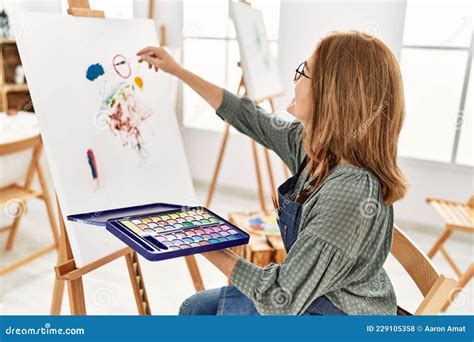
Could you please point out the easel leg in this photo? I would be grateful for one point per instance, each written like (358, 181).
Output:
(75, 287)
(58, 293)
(64, 252)
(258, 172)
(76, 297)
(286, 172)
(217, 169)
(47, 202)
(220, 157)
(266, 153)
(138, 284)
(195, 274)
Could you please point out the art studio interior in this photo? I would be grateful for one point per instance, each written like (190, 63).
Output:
(218, 157)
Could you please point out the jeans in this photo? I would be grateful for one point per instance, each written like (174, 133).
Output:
(228, 300)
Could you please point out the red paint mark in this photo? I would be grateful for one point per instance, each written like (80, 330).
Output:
(121, 66)
(93, 166)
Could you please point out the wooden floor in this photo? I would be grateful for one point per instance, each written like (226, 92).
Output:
(108, 291)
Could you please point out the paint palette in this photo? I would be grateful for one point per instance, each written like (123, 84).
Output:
(263, 224)
(158, 233)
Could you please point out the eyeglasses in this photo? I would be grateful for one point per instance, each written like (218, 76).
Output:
(300, 71)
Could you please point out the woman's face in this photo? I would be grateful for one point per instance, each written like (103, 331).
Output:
(302, 104)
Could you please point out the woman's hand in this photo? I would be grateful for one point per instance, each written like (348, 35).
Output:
(159, 58)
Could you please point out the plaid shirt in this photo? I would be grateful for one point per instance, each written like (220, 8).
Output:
(344, 237)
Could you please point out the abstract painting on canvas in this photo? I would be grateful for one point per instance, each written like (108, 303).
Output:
(110, 132)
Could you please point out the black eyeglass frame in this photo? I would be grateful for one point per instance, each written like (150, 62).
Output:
(300, 73)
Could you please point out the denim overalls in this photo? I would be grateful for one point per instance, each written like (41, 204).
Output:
(232, 301)
(289, 209)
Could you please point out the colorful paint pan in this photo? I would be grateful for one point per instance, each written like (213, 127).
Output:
(164, 234)
(263, 224)
(192, 237)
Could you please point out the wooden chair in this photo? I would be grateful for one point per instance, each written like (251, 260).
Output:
(434, 286)
(17, 195)
(457, 217)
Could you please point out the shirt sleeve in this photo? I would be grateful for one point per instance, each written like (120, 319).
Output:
(320, 260)
(269, 130)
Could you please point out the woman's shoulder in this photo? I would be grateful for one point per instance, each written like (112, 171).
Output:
(346, 208)
(348, 182)
(349, 193)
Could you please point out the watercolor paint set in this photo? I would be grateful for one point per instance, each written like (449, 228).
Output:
(163, 231)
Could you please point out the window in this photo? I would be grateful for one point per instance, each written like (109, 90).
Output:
(436, 63)
(465, 153)
(210, 49)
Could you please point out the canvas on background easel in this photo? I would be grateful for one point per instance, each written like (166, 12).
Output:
(66, 270)
(270, 94)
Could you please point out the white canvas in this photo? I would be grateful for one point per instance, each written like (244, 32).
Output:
(260, 68)
(102, 113)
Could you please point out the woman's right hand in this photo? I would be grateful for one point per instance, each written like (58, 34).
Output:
(159, 58)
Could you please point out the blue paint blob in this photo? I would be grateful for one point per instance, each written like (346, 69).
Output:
(94, 71)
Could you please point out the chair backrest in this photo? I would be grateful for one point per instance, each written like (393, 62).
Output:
(470, 202)
(434, 286)
(19, 145)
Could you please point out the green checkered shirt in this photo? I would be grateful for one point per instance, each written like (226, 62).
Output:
(344, 237)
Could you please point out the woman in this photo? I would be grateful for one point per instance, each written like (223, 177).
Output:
(335, 214)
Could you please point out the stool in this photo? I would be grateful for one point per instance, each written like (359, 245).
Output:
(261, 250)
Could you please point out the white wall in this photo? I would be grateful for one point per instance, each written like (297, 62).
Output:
(304, 23)
(432, 179)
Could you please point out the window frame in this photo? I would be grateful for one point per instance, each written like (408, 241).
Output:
(462, 102)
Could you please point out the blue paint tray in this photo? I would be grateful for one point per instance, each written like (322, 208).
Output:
(162, 231)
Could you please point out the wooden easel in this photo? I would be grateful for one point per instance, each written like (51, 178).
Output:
(66, 269)
(241, 89)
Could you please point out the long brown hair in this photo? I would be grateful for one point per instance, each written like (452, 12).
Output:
(359, 109)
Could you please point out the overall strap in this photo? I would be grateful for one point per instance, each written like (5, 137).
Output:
(306, 190)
